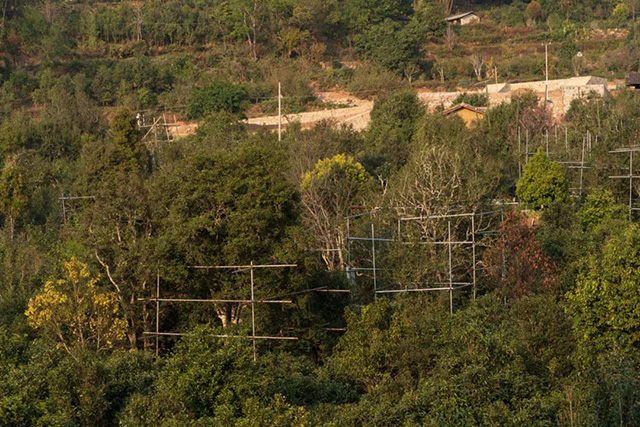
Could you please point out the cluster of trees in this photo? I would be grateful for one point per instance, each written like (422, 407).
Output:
(551, 337)
(168, 54)
(92, 219)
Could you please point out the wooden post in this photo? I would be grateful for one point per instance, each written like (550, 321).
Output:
(64, 211)
(526, 145)
(582, 166)
(630, 185)
(547, 141)
(253, 315)
(279, 112)
(157, 312)
(473, 240)
(373, 250)
(450, 270)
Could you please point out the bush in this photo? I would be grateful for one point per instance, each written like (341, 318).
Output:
(370, 80)
(475, 99)
(217, 97)
(543, 183)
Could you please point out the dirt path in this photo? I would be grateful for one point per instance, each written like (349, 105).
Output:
(358, 116)
(346, 109)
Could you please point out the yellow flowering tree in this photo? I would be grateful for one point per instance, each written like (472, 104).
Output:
(327, 192)
(75, 313)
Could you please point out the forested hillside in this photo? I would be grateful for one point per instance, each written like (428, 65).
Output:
(420, 272)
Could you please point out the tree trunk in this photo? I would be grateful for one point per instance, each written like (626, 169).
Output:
(229, 314)
(48, 11)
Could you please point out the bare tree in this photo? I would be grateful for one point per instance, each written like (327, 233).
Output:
(328, 191)
(430, 185)
(48, 11)
(138, 23)
(253, 19)
(441, 66)
(411, 70)
(440, 69)
(478, 64)
(448, 6)
(432, 182)
(450, 37)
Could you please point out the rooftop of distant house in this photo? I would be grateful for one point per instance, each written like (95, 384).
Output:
(463, 106)
(633, 79)
(460, 16)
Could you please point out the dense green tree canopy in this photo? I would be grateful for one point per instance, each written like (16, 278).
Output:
(604, 299)
(543, 182)
(218, 97)
(424, 292)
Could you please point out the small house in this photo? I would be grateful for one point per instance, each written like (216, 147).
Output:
(468, 113)
(633, 80)
(463, 18)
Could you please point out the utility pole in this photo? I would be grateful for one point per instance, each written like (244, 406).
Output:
(450, 269)
(546, 82)
(158, 312)
(373, 254)
(279, 112)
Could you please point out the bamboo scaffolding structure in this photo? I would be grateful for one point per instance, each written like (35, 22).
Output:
(252, 302)
(449, 241)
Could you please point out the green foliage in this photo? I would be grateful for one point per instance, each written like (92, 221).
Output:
(217, 97)
(600, 205)
(533, 11)
(214, 382)
(13, 198)
(605, 299)
(42, 388)
(228, 207)
(621, 14)
(392, 45)
(485, 364)
(543, 182)
(124, 131)
(475, 99)
(370, 80)
(394, 120)
(367, 12)
(74, 74)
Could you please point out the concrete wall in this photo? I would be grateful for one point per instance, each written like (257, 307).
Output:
(561, 92)
(569, 93)
(438, 99)
(539, 86)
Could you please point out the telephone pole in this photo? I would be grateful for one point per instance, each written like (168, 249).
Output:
(546, 81)
(279, 112)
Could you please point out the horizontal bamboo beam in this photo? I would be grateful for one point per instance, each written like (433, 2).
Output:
(248, 267)
(248, 337)
(238, 301)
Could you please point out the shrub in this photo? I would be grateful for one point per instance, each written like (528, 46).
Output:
(475, 99)
(217, 97)
(543, 182)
